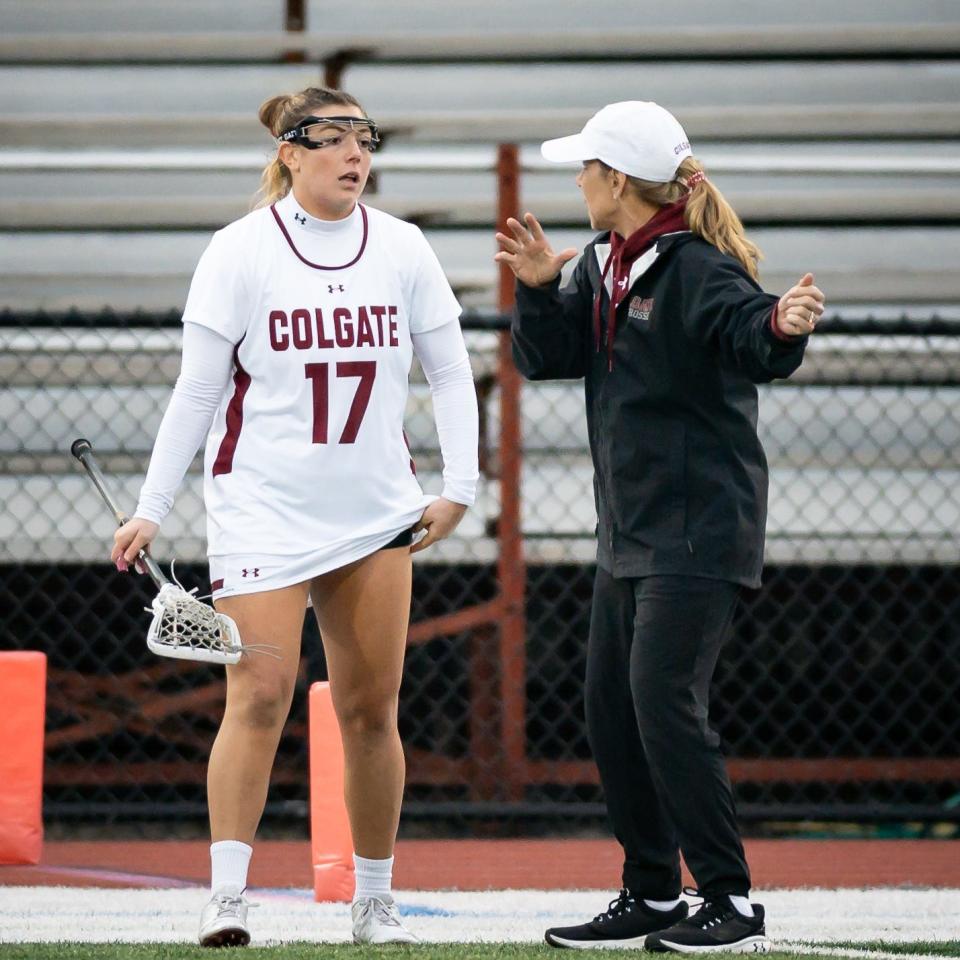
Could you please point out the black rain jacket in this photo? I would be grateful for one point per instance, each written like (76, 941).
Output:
(680, 477)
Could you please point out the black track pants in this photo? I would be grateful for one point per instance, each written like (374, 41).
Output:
(653, 648)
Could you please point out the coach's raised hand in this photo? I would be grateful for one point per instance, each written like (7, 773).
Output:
(528, 254)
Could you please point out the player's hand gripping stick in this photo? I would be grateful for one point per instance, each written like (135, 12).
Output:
(182, 627)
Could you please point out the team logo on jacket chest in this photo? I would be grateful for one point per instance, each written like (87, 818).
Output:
(640, 309)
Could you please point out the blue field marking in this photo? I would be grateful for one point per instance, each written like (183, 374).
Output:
(473, 913)
(303, 894)
(419, 910)
(283, 893)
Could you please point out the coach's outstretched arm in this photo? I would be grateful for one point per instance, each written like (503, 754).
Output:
(549, 324)
(752, 331)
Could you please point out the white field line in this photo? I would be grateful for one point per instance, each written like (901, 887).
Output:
(795, 917)
(821, 951)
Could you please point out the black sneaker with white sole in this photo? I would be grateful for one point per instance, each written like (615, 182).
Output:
(625, 923)
(718, 926)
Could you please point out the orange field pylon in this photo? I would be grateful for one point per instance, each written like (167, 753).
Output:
(331, 842)
(23, 687)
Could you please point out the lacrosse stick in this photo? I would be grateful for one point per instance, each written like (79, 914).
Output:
(182, 626)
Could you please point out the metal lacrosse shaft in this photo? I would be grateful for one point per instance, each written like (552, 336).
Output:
(83, 451)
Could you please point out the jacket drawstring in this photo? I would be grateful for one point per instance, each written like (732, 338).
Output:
(612, 261)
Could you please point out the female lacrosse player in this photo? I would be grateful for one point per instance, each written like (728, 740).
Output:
(299, 331)
(665, 321)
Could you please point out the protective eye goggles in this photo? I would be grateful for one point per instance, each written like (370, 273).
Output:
(307, 132)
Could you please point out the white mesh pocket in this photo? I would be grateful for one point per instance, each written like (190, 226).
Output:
(186, 628)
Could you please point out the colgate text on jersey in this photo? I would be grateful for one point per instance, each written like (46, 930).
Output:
(303, 329)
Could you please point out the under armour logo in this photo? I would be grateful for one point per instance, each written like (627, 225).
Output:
(331, 287)
(255, 572)
(299, 219)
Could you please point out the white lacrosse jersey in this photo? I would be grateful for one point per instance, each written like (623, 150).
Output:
(307, 453)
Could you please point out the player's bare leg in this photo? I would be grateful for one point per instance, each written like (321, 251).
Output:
(363, 611)
(259, 693)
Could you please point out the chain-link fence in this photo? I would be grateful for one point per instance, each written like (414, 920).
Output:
(837, 696)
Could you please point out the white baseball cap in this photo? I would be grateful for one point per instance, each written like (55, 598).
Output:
(637, 137)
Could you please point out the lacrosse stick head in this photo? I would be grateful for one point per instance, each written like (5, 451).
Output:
(185, 628)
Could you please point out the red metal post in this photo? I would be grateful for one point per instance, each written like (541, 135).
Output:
(295, 21)
(295, 18)
(485, 766)
(511, 567)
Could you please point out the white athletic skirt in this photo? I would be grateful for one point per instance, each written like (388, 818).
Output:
(235, 574)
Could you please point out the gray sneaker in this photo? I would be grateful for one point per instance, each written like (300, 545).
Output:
(223, 922)
(377, 920)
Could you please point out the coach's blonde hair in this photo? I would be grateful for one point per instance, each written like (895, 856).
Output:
(282, 113)
(707, 213)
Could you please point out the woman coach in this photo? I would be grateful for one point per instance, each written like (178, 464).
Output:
(665, 321)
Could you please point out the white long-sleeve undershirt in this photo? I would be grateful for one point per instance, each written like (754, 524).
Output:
(205, 368)
(446, 365)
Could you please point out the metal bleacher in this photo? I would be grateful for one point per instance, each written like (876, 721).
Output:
(129, 134)
(122, 122)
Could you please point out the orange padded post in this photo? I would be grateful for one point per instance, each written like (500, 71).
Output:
(331, 842)
(23, 688)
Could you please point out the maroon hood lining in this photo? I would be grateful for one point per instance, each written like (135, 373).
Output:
(623, 254)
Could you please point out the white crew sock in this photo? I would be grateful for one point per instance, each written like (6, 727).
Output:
(742, 905)
(229, 860)
(662, 904)
(373, 877)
